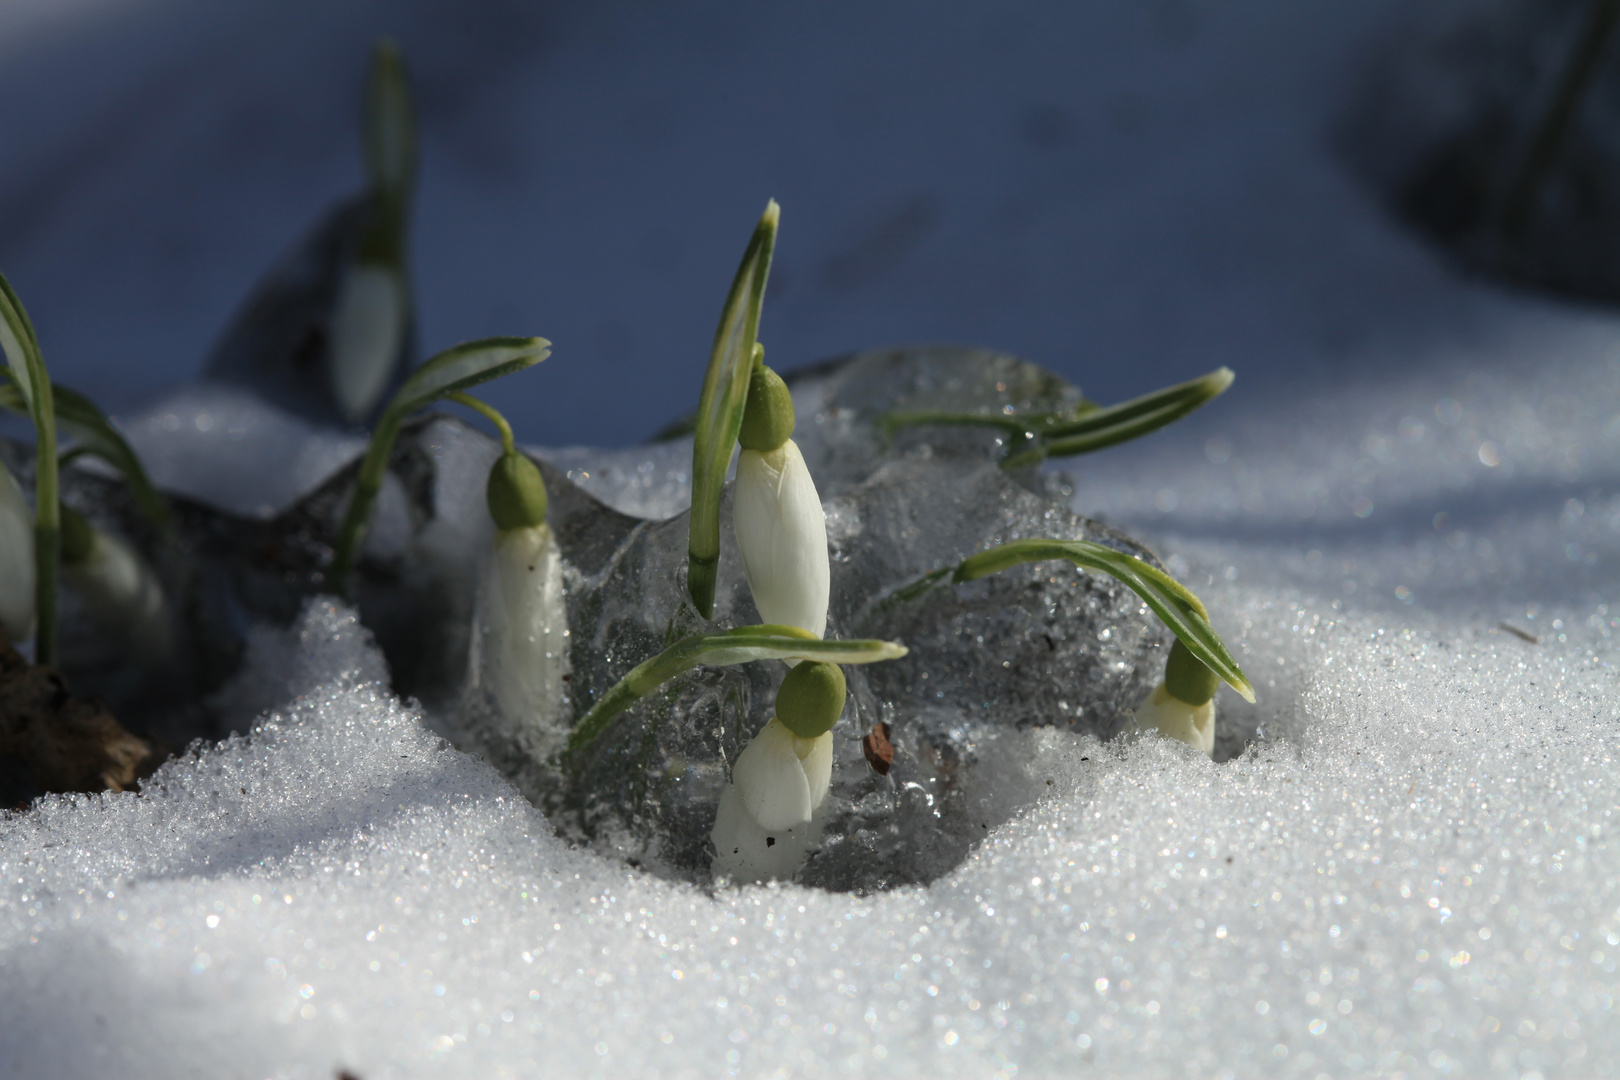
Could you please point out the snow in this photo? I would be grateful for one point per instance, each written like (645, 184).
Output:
(1422, 880)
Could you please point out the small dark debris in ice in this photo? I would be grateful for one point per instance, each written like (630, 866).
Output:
(878, 749)
(1522, 635)
(770, 841)
(64, 742)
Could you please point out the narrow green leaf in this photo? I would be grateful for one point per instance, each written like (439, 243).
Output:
(720, 408)
(739, 646)
(465, 366)
(28, 372)
(390, 125)
(1117, 423)
(1170, 600)
(17, 339)
(96, 436)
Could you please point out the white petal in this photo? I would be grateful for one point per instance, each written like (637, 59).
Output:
(782, 536)
(122, 593)
(744, 851)
(16, 560)
(523, 647)
(1192, 724)
(367, 328)
(816, 755)
(771, 781)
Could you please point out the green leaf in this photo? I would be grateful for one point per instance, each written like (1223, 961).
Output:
(1117, 423)
(18, 341)
(97, 436)
(720, 408)
(1180, 610)
(390, 125)
(465, 366)
(739, 646)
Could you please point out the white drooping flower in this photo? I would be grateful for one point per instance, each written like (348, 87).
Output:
(764, 824)
(119, 590)
(1168, 715)
(782, 536)
(16, 560)
(781, 531)
(521, 647)
(368, 328)
(781, 778)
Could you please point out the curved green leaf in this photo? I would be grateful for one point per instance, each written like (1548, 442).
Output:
(720, 408)
(97, 436)
(465, 366)
(764, 642)
(1117, 423)
(1170, 600)
(27, 366)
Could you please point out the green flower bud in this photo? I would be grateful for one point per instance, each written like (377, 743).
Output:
(1186, 678)
(811, 699)
(78, 536)
(516, 493)
(768, 419)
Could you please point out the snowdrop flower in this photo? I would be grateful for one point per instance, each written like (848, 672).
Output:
(1183, 705)
(781, 531)
(368, 329)
(763, 827)
(16, 560)
(521, 649)
(119, 590)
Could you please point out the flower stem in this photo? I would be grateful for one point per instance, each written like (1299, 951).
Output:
(488, 411)
(358, 513)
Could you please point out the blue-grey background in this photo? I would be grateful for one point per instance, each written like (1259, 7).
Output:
(1115, 189)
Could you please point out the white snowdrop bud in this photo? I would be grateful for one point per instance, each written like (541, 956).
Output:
(16, 560)
(782, 536)
(120, 591)
(781, 778)
(522, 644)
(1183, 705)
(1168, 715)
(368, 327)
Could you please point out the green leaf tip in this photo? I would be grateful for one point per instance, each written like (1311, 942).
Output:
(1101, 428)
(722, 403)
(1170, 600)
(739, 646)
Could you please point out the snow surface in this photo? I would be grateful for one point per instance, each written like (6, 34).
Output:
(1422, 880)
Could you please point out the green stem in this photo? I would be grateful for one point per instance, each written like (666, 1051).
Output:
(508, 444)
(356, 517)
